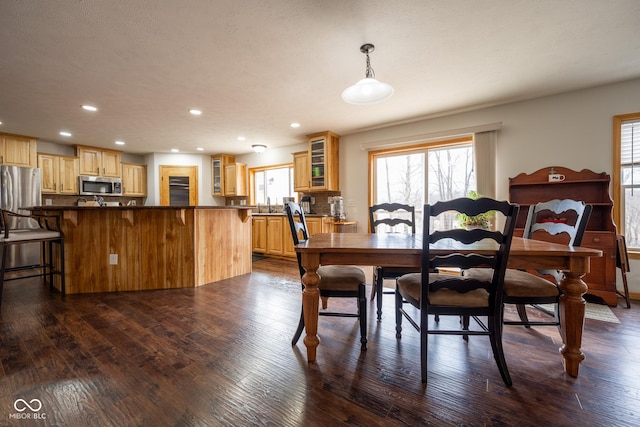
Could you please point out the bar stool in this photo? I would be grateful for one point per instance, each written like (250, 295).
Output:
(47, 233)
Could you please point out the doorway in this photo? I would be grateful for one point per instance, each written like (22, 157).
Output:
(178, 185)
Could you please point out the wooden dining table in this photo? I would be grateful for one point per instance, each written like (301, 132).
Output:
(406, 251)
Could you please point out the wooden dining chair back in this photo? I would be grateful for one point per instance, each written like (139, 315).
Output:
(44, 230)
(389, 218)
(558, 221)
(456, 295)
(338, 281)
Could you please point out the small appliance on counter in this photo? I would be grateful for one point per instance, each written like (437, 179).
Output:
(305, 204)
(336, 204)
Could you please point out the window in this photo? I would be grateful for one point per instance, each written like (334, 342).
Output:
(270, 184)
(427, 173)
(626, 180)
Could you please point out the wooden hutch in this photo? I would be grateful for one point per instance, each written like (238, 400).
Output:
(590, 187)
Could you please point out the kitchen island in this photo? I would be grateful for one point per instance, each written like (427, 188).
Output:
(132, 248)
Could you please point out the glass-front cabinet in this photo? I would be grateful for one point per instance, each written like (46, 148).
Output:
(323, 161)
(218, 162)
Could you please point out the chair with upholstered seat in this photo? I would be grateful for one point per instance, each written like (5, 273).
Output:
(390, 218)
(559, 221)
(47, 232)
(338, 281)
(455, 295)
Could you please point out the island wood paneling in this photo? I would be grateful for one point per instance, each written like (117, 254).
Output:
(156, 248)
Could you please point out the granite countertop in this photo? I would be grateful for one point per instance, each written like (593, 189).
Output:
(80, 208)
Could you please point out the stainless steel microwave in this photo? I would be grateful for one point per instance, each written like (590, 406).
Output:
(99, 186)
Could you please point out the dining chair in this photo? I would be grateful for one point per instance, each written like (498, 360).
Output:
(390, 218)
(44, 230)
(456, 295)
(558, 221)
(339, 281)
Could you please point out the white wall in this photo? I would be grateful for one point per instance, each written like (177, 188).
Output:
(573, 130)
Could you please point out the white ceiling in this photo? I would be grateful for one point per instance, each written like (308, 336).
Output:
(255, 66)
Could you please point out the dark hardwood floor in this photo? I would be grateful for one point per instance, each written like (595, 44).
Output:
(220, 355)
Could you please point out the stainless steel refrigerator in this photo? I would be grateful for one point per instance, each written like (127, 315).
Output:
(20, 188)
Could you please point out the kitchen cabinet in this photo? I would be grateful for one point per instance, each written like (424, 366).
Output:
(259, 234)
(589, 187)
(301, 175)
(99, 162)
(272, 235)
(59, 174)
(218, 163)
(235, 179)
(134, 180)
(18, 151)
(275, 241)
(323, 161)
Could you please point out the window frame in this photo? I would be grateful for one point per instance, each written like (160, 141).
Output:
(634, 253)
(252, 181)
(423, 146)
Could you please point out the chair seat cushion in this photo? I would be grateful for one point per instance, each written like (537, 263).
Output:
(340, 277)
(410, 284)
(23, 235)
(519, 283)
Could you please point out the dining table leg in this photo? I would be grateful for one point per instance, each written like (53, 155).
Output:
(572, 309)
(310, 301)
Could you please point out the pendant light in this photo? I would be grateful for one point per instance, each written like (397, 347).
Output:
(368, 90)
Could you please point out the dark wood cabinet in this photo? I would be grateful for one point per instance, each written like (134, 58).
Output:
(590, 187)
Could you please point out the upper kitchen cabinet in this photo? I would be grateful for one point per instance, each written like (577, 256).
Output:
(99, 162)
(235, 179)
(18, 151)
(218, 162)
(321, 167)
(59, 174)
(301, 176)
(134, 180)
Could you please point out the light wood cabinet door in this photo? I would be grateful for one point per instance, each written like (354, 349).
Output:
(259, 234)
(111, 164)
(98, 162)
(235, 179)
(59, 174)
(314, 225)
(134, 180)
(301, 171)
(274, 235)
(67, 175)
(18, 151)
(48, 164)
(90, 160)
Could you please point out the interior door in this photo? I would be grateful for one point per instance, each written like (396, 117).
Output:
(178, 185)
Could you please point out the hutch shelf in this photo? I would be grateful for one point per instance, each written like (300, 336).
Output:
(590, 187)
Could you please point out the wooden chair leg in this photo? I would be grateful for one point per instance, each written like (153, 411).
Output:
(522, 312)
(398, 314)
(296, 336)
(362, 315)
(495, 327)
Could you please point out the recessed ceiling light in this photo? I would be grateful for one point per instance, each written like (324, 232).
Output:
(89, 108)
(175, 150)
(200, 149)
(119, 142)
(195, 111)
(0, 123)
(295, 125)
(241, 138)
(65, 133)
